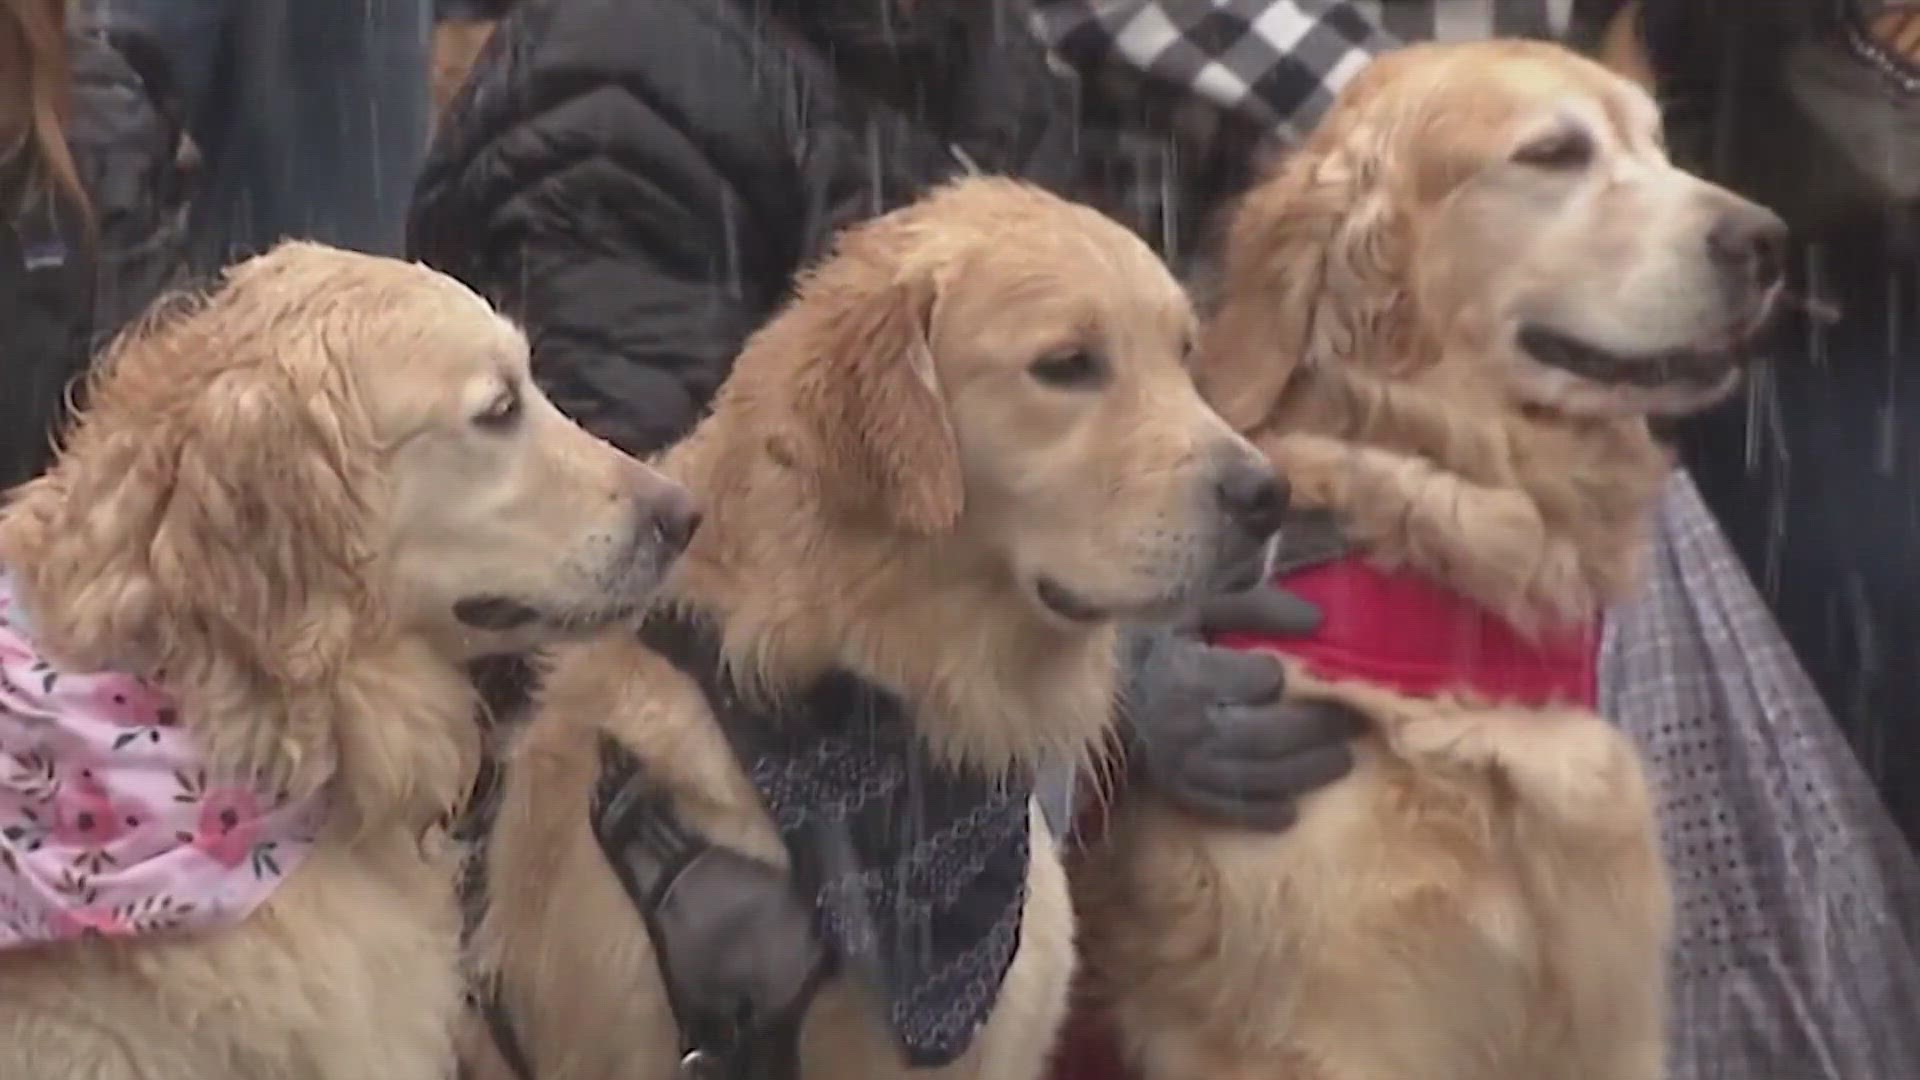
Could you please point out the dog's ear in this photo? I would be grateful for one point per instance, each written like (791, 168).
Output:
(206, 517)
(1623, 47)
(1309, 275)
(869, 393)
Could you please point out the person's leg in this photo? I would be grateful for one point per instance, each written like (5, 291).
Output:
(331, 111)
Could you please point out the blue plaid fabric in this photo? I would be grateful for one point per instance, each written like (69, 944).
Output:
(1797, 954)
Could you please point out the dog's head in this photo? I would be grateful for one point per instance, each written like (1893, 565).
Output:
(325, 450)
(1506, 214)
(1003, 374)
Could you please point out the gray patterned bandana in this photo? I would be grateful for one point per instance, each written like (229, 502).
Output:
(917, 871)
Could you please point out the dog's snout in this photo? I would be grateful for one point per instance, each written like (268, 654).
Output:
(1253, 497)
(676, 517)
(1750, 240)
(667, 507)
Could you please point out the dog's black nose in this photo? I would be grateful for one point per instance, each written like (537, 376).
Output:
(1253, 497)
(676, 516)
(1750, 239)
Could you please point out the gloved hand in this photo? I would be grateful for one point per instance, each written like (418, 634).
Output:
(1213, 729)
(1262, 609)
(737, 940)
(733, 940)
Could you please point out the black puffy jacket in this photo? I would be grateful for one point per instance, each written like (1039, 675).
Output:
(637, 181)
(63, 294)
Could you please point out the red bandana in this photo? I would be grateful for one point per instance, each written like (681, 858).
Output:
(1399, 630)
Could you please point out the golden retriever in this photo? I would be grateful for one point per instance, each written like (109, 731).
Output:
(306, 500)
(966, 447)
(1446, 320)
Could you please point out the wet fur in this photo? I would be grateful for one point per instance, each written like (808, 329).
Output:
(848, 524)
(1484, 898)
(220, 512)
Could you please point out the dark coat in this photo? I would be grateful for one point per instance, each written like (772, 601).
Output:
(471, 9)
(639, 182)
(62, 293)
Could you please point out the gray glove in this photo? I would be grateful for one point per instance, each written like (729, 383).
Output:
(1259, 610)
(1213, 730)
(1310, 537)
(734, 942)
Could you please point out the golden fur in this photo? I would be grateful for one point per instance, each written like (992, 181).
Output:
(272, 503)
(1483, 899)
(1623, 49)
(887, 482)
(456, 48)
(36, 96)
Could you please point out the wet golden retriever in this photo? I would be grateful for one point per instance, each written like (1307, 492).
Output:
(309, 498)
(967, 446)
(1446, 319)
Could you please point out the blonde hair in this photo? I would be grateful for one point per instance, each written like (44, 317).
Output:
(36, 90)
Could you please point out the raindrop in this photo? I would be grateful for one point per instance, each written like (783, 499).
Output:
(1887, 439)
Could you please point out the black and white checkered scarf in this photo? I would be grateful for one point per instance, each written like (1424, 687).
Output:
(1274, 63)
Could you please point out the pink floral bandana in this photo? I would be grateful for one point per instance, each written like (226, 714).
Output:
(109, 823)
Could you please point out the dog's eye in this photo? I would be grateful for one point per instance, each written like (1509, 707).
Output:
(1072, 371)
(1566, 150)
(500, 413)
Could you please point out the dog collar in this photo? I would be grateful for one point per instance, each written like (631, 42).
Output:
(1399, 630)
(110, 824)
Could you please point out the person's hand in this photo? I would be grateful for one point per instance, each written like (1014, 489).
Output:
(1214, 731)
(734, 940)
(737, 938)
(1311, 537)
(1262, 610)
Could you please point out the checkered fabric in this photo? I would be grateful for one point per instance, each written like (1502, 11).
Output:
(1278, 63)
(1797, 951)
(1469, 20)
(1275, 63)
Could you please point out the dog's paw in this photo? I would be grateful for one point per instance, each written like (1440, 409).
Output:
(1450, 740)
(1319, 470)
(1569, 765)
(1583, 771)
